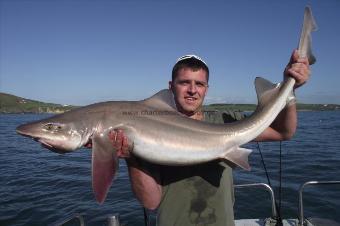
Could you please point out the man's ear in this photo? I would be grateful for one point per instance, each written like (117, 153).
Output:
(170, 85)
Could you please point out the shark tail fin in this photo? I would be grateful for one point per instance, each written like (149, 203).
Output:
(305, 42)
(265, 90)
(238, 156)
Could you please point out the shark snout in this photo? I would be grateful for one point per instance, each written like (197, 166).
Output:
(24, 130)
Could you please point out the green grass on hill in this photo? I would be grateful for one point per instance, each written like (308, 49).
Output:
(252, 107)
(14, 104)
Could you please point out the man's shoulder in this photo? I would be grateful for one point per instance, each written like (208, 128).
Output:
(225, 116)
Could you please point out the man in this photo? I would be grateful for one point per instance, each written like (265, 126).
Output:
(200, 194)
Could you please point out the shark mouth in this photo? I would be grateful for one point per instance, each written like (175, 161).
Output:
(50, 147)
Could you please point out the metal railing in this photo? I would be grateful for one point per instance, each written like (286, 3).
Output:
(112, 220)
(70, 218)
(301, 216)
(268, 188)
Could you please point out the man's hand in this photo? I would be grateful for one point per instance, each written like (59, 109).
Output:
(298, 68)
(120, 143)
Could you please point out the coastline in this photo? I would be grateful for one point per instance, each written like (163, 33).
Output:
(11, 104)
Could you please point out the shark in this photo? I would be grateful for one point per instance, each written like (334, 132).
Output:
(158, 133)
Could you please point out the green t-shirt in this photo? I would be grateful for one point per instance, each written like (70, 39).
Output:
(200, 195)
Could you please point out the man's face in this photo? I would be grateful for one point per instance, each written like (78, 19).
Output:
(189, 88)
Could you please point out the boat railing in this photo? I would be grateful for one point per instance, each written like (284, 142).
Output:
(301, 214)
(72, 217)
(113, 220)
(266, 187)
(78, 219)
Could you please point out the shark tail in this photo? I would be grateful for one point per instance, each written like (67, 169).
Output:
(305, 42)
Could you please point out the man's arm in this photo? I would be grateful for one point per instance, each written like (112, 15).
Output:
(284, 126)
(144, 183)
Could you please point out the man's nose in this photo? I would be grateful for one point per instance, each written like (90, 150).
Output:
(192, 87)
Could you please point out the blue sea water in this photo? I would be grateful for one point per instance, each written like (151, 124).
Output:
(39, 187)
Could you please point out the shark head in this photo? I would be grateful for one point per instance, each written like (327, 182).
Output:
(71, 130)
(56, 134)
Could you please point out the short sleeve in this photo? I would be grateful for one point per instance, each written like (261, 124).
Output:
(226, 116)
(232, 116)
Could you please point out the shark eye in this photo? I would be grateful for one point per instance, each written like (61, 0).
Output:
(52, 127)
(48, 126)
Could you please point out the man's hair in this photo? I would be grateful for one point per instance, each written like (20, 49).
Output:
(192, 63)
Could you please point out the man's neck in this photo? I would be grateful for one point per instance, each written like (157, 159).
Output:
(196, 115)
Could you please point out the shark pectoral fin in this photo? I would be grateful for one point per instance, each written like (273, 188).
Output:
(104, 166)
(238, 156)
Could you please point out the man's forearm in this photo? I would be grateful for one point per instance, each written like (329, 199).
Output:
(283, 127)
(286, 122)
(145, 187)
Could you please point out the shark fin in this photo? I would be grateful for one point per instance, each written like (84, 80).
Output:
(104, 166)
(238, 156)
(266, 89)
(305, 42)
(163, 100)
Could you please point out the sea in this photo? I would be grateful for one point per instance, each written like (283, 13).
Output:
(39, 187)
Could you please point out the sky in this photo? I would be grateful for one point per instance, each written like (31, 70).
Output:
(80, 52)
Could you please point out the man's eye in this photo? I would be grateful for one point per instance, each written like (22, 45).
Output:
(184, 83)
(201, 84)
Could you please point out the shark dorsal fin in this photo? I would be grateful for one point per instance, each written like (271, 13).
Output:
(163, 100)
(265, 90)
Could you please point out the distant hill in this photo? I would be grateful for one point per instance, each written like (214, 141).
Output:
(14, 104)
(252, 107)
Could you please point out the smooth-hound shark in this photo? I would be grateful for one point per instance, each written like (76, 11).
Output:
(160, 134)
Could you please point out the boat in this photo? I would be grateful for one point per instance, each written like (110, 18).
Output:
(273, 219)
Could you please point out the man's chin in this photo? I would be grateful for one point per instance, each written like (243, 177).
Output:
(190, 111)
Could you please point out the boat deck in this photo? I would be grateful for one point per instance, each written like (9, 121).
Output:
(264, 222)
(286, 222)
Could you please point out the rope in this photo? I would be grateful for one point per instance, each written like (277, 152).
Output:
(280, 180)
(278, 206)
(146, 218)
